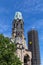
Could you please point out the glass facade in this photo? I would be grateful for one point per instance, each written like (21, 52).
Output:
(34, 46)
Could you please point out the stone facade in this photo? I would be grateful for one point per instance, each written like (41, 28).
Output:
(18, 37)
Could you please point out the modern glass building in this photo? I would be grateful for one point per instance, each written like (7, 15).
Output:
(33, 46)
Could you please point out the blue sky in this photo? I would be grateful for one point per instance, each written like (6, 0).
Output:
(32, 11)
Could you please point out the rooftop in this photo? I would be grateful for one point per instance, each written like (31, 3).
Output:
(18, 15)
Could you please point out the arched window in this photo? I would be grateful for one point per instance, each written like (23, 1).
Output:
(26, 59)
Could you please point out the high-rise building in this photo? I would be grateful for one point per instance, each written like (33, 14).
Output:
(33, 46)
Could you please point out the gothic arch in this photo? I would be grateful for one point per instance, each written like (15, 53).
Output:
(26, 59)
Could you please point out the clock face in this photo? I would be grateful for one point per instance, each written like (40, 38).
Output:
(18, 39)
(18, 33)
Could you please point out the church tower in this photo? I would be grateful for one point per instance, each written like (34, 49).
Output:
(18, 27)
(19, 39)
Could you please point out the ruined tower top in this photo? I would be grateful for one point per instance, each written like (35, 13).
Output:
(18, 15)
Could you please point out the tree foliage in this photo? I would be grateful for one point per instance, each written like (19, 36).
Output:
(7, 52)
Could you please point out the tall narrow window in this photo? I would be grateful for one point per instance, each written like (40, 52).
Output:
(21, 26)
(14, 25)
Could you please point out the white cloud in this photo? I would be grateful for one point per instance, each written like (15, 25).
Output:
(32, 6)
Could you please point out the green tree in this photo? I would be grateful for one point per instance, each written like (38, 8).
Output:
(7, 52)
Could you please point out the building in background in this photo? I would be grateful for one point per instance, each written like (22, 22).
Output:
(33, 46)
